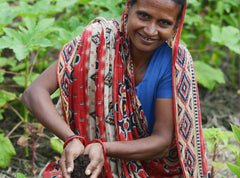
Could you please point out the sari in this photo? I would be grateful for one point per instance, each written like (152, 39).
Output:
(98, 100)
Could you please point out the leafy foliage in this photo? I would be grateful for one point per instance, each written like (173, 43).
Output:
(7, 151)
(56, 145)
(207, 75)
(20, 175)
(212, 30)
(217, 140)
(27, 38)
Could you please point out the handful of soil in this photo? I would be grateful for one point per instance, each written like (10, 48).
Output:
(80, 165)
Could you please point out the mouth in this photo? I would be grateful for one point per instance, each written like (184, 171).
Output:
(146, 39)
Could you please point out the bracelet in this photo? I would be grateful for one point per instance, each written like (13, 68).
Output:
(82, 139)
(103, 147)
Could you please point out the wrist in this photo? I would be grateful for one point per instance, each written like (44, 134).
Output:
(70, 138)
(101, 143)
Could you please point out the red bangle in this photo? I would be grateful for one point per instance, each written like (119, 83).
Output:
(82, 139)
(103, 147)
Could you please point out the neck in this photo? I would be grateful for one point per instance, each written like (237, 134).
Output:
(140, 62)
(141, 58)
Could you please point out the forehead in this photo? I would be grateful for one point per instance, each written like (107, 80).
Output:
(158, 7)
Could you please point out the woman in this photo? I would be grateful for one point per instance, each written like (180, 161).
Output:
(122, 84)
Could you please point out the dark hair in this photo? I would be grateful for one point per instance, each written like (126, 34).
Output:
(180, 2)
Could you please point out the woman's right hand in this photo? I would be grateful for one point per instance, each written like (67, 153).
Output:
(73, 149)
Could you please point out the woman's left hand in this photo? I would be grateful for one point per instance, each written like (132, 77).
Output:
(96, 156)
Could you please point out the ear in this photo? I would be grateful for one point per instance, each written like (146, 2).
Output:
(127, 7)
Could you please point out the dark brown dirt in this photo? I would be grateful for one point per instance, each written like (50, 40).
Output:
(80, 165)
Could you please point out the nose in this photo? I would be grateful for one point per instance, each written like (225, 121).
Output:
(150, 29)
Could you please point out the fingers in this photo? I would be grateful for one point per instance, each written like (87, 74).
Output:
(73, 149)
(96, 164)
(69, 161)
(63, 167)
(94, 168)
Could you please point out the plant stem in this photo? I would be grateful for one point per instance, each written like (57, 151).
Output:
(14, 128)
(233, 71)
(25, 110)
(214, 158)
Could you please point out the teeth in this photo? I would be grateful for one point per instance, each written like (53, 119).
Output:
(146, 38)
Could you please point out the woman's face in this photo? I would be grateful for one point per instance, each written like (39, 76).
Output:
(151, 23)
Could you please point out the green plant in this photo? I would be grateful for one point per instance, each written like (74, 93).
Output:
(211, 31)
(56, 144)
(235, 168)
(20, 175)
(7, 151)
(217, 140)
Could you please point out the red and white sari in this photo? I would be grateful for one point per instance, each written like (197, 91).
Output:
(99, 101)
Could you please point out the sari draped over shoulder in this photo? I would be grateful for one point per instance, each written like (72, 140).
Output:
(99, 100)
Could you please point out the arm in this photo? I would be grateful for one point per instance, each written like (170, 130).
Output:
(152, 147)
(37, 99)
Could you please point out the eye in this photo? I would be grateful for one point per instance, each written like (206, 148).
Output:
(143, 15)
(165, 22)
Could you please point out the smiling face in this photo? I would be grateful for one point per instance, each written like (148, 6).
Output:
(151, 23)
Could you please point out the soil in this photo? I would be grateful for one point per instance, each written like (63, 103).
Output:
(219, 108)
(80, 165)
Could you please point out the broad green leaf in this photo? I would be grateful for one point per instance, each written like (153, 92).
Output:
(61, 4)
(5, 97)
(233, 148)
(4, 42)
(228, 36)
(20, 80)
(3, 61)
(207, 75)
(55, 94)
(20, 175)
(24, 40)
(56, 145)
(236, 132)
(218, 165)
(234, 168)
(1, 116)
(15, 41)
(7, 151)
(7, 13)
(19, 67)
(21, 51)
(1, 77)
(43, 26)
(210, 145)
(30, 23)
(14, 35)
(43, 42)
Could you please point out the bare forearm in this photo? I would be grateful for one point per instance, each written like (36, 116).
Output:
(40, 105)
(37, 99)
(152, 147)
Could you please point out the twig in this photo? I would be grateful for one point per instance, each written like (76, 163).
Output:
(9, 72)
(11, 86)
(10, 94)
(44, 59)
(34, 61)
(16, 112)
(14, 128)
(203, 50)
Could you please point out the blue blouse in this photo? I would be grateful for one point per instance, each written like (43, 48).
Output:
(156, 83)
